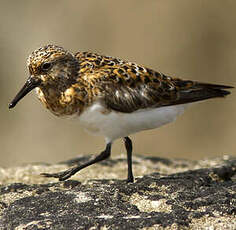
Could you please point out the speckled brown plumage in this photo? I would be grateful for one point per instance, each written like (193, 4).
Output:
(74, 82)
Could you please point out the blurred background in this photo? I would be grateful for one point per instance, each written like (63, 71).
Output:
(187, 38)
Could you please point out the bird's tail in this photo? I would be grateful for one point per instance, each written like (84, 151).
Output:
(196, 91)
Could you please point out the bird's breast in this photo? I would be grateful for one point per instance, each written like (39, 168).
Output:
(59, 103)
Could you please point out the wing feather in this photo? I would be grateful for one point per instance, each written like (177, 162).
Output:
(127, 87)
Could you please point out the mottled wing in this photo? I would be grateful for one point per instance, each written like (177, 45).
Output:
(127, 87)
(140, 92)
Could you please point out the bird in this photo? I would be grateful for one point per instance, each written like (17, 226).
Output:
(109, 96)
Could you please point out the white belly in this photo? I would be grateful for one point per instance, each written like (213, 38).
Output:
(115, 125)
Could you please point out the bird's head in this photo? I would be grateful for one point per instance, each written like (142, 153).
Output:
(48, 66)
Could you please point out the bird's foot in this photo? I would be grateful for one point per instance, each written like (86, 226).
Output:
(60, 175)
(130, 179)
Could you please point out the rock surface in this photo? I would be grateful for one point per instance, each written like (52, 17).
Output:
(167, 194)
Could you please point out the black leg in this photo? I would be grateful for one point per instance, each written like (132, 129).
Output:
(128, 146)
(70, 172)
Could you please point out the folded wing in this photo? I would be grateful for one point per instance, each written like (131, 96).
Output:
(127, 87)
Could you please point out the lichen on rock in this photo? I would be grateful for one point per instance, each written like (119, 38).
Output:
(166, 194)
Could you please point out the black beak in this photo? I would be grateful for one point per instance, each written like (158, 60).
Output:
(30, 84)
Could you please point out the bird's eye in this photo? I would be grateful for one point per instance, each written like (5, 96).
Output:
(46, 66)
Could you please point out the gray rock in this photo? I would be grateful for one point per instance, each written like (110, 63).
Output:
(167, 194)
